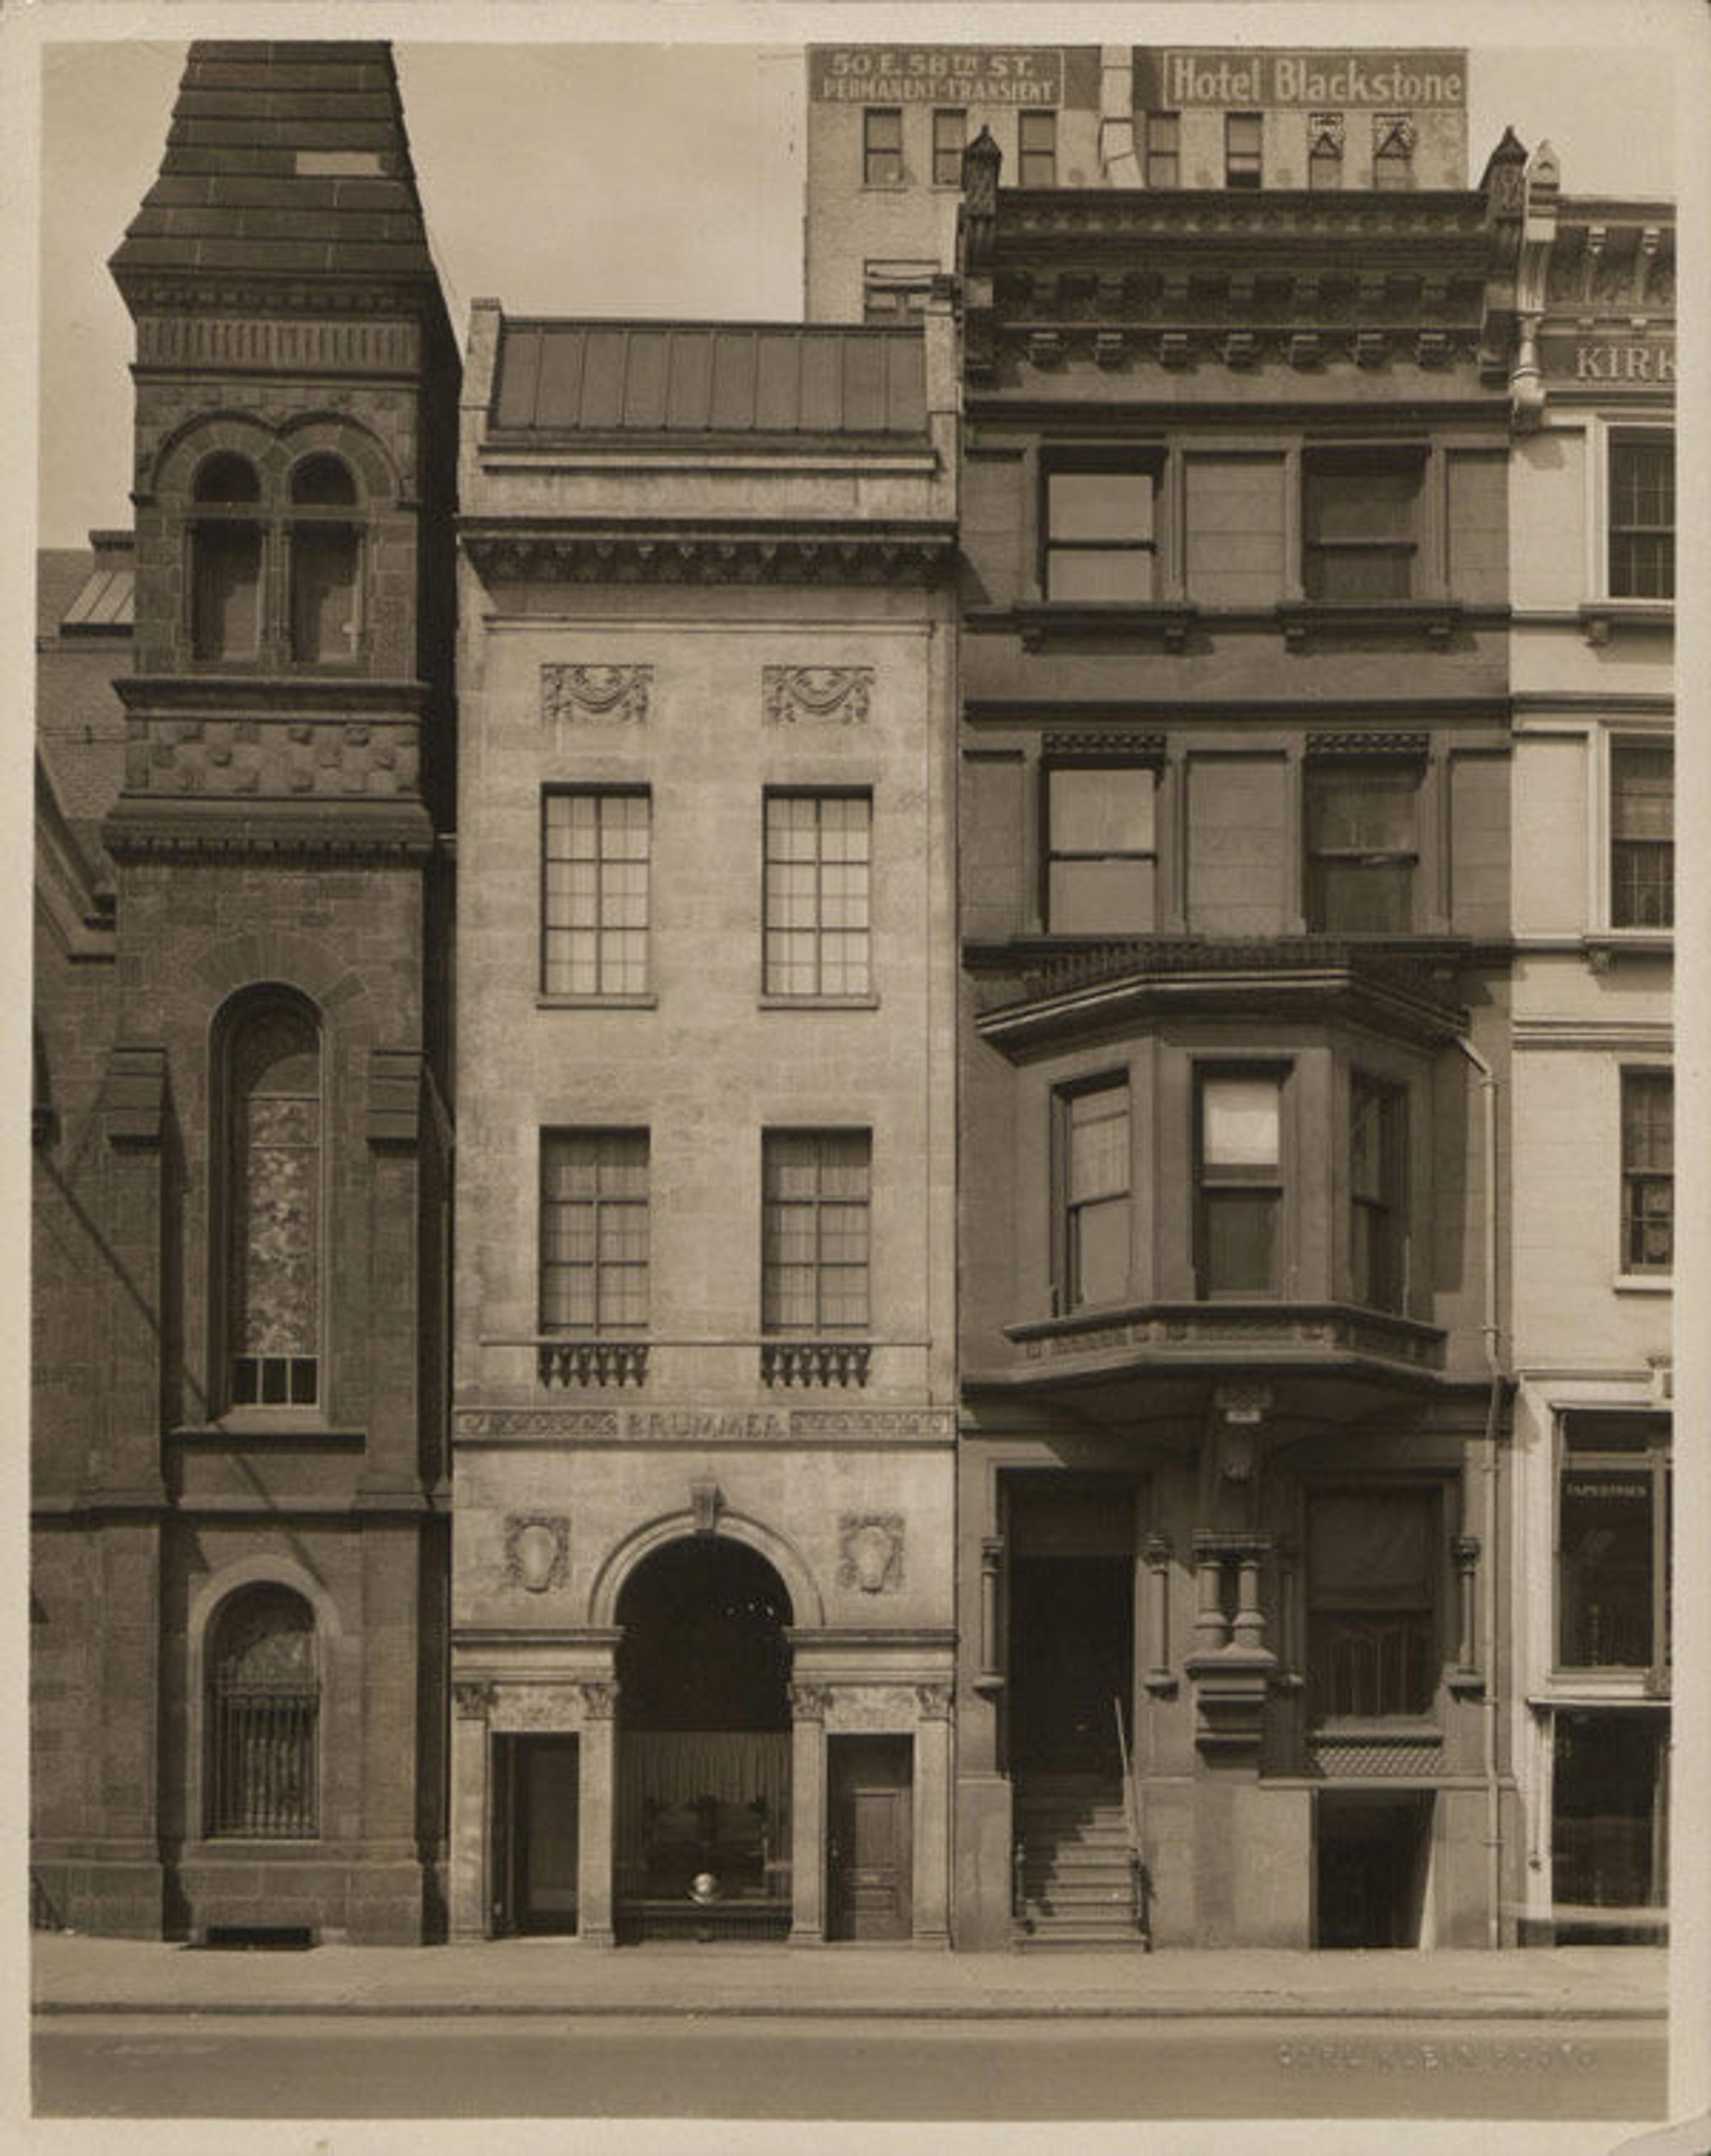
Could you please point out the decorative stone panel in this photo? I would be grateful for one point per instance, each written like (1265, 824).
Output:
(595, 695)
(537, 1550)
(536, 1706)
(259, 757)
(870, 1547)
(816, 696)
(1403, 1756)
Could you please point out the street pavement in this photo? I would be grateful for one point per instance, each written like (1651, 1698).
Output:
(73, 1975)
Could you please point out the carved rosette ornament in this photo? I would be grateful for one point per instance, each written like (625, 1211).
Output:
(816, 696)
(871, 1551)
(599, 1699)
(537, 1550)
(808, 1702)
(595, 695)
(472, 1699)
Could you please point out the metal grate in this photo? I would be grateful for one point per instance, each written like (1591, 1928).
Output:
(262, 1760)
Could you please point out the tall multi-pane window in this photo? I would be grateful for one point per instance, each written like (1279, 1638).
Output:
(949, 134)
(1373, 1565)
(1101, 538)
(262, 1709)
(1362, 844)
(816, 1197)
(818, 865)
(882, 147)
(1641, 835)
(1094, 1177)
(595, 844)
(225, 563)
(1377, 1192)
(1243, 148)
(1647, 1171)
(1101, 863)
(1641, 516)
(1239, 1165)
(1164, 149)
(1359, 535)
(273, 1206)
(325, 560)
(593, 1231)
(1036, 150)
(1613, 1541)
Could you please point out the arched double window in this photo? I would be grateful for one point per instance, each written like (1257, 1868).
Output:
(274, 580)
(262, 1717)
(274, 1232)
(226, 559)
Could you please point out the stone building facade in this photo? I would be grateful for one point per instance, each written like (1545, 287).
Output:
(238, 1565)
(705, 1423)
(1592, 542)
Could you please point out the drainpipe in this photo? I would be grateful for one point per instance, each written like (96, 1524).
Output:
(1493, 1408)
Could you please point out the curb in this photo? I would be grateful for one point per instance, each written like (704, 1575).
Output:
(737, 2011)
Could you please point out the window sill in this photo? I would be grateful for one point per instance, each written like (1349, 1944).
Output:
(650, 1001)
(1569, 1689)
(1434, 620)
(1604, 945)
(1642, 1284)
(1599, 617)
(818, 1002)
(1043, 621)
(263, 1420)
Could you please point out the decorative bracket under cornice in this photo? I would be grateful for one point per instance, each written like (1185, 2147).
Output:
(735, 554)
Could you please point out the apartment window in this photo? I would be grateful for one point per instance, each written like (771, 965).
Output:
(324, 547)
(1377, 1192)
(896, 292)
(1100, 849)
(1359, 535)
(1239, 1164)
(1647, 1171)
(272, 1106)
(819, 863)
(225, 567)
(262, 1710)
(1362, 845)
(815, 1200)
(882, 147)
(1641, 516)
(1164, 149)
(950, 135)
(1094, 1156)
(1641, 835)
(1243, 141)
(595, 866)
(1613, 1541)
(1101, 538)
(1324, 150)
(1393, 137)
(1036, 150)
(1373, 1561)
(593, 1231)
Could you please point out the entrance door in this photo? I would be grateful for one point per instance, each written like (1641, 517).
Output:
(871, 1793)
(1372, 1854)
(1072, 1634)
(536, 1784)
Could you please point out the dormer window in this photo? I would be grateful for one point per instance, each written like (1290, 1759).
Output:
(326, 558)
(226, 555)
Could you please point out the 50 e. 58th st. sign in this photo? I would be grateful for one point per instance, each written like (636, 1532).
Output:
(936, 75)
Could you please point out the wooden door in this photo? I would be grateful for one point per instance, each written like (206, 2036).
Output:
(872, 1788)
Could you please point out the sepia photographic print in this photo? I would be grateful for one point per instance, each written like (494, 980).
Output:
(857, 1187)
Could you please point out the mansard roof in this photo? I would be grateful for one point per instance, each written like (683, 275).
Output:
(284, 159)
(676, 378)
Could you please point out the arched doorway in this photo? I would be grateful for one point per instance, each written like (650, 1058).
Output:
(703, 1745)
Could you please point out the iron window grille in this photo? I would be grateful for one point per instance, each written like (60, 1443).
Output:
(1373, 1567)
(1647, 1171)
(263, 1710)
(594, 1231)
(1642, 835)
(596, 862)
(819, 866)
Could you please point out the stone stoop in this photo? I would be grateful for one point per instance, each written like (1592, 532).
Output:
(1075, 1884)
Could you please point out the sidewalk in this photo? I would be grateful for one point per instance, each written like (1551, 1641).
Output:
(76, 1975)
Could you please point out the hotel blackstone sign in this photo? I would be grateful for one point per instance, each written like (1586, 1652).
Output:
(1166, 80)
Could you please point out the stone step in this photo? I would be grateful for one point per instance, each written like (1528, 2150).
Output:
(1130, 1942)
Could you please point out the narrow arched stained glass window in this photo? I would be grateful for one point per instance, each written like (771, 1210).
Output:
(263, 1706)
(225, 598)
(325, 561)
(275, 1286)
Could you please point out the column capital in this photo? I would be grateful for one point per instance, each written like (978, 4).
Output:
(599, 1698)
(934, 1702)
(473, 1698)
(808, 1702)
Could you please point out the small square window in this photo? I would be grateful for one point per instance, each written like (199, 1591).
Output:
(950, 136)
(1036, 150)
(882, 147)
